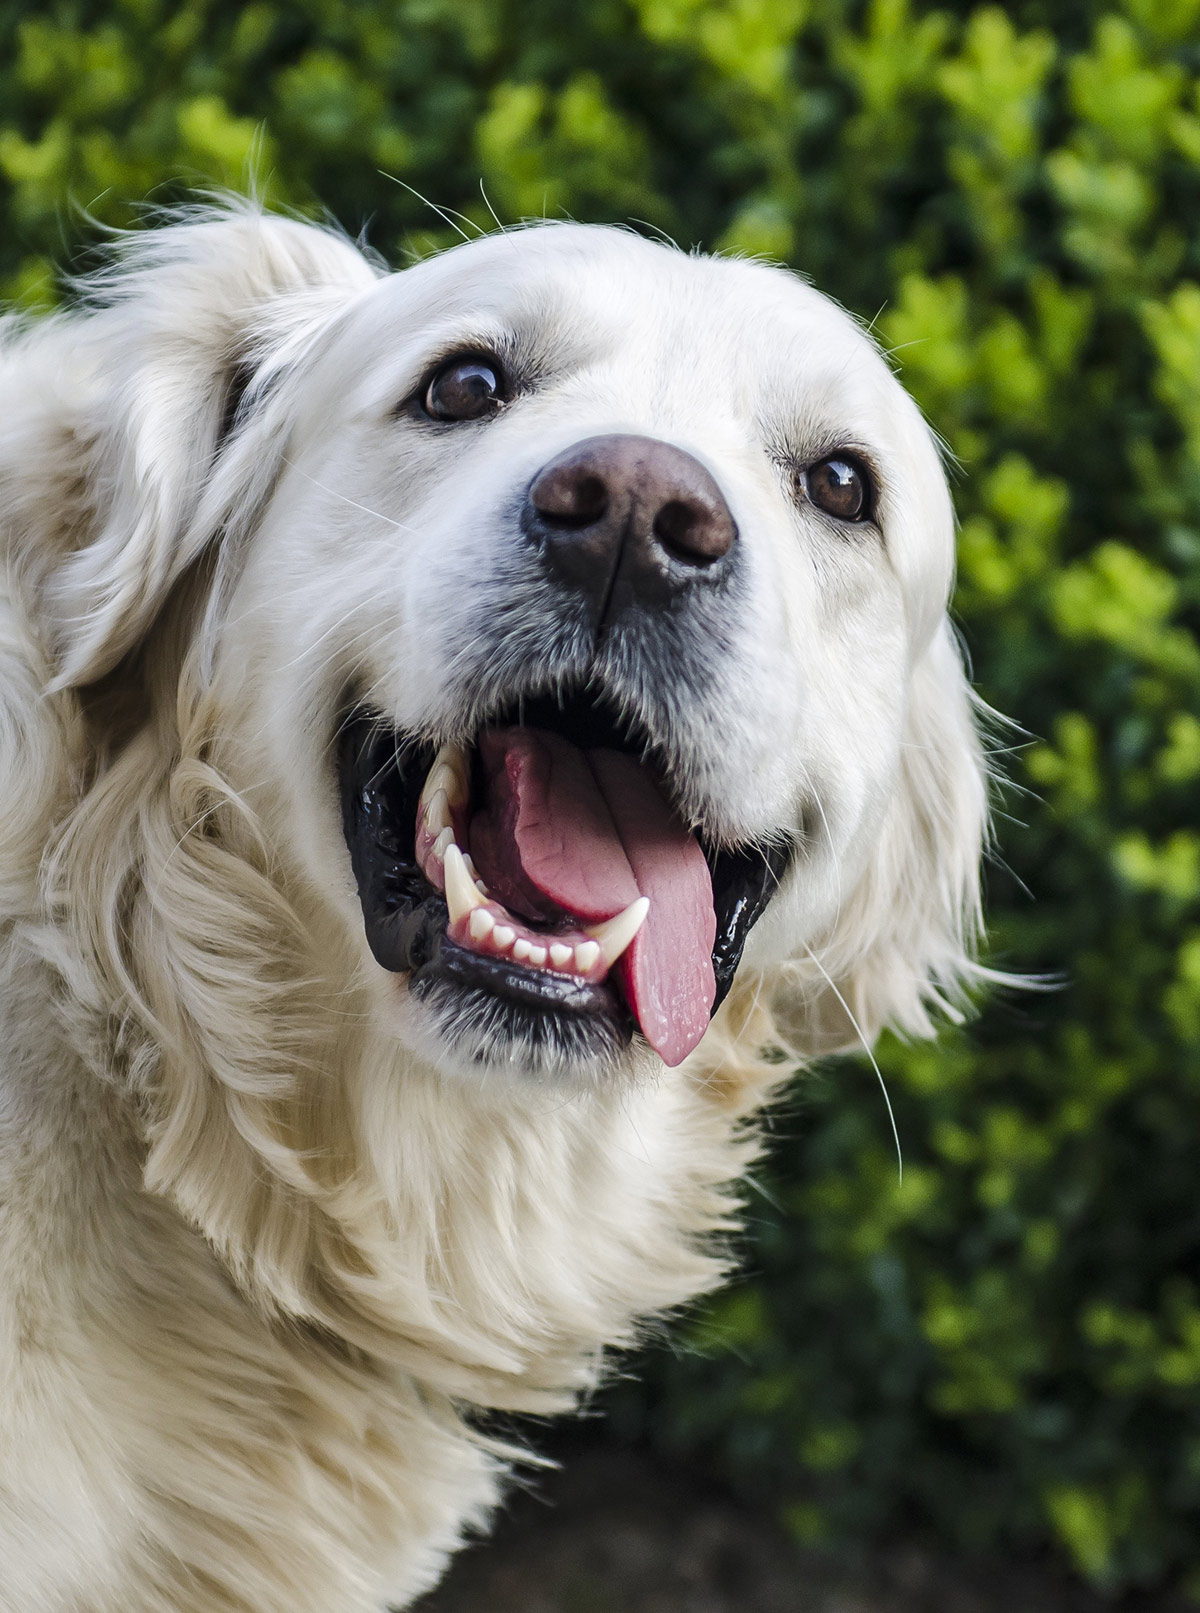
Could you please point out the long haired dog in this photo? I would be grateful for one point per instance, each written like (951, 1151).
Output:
(426, 701)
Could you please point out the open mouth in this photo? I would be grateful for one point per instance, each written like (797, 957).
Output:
(542, 878)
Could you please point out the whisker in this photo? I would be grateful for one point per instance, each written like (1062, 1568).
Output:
(332, 628)
(346, 499)
(858, 1031)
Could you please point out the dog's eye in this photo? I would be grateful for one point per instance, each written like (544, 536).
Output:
(469, 388)
(840, 486)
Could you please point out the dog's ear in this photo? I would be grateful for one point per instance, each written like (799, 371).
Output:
(902, 950)
(119, 414)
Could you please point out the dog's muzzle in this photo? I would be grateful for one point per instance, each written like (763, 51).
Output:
(538, 878)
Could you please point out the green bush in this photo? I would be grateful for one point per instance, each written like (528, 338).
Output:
(1006, 1348)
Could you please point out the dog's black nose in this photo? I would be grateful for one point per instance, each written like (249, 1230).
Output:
(629, 519)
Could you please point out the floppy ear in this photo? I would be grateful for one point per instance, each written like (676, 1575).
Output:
(903, 943)
(115, 415)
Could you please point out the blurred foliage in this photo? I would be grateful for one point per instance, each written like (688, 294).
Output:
(1006, 1347)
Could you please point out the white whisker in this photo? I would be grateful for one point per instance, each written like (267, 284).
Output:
(866, 1046)
(346, 499)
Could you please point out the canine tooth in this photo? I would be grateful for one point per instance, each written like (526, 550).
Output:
(446, 787)
(615, 934)
(443, 843)
(504, 936)
(437, 812)
(560, 955)
(537, 956)
(587, 956)
(522, 949)
(450, 772)
(461, 895)
(441, 777)
(481, 924)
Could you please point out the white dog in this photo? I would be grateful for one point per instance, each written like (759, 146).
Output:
(417, 693)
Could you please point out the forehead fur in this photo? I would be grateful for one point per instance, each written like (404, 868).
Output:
(627, 285)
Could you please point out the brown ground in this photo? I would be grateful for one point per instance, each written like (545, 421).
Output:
(614, 1532)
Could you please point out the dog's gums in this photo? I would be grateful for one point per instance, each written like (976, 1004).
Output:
(488, 927)
(483, 924)
(542, 942)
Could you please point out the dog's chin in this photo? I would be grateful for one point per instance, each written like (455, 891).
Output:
(552, 1006)
(491, 1014)
(473, 1021)
(472, 1034)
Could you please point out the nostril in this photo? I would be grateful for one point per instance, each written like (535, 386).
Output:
(692, 532)
(577, 498)
(630, 521)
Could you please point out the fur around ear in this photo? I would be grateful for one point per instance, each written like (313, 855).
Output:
(901, 950)
(108, 449)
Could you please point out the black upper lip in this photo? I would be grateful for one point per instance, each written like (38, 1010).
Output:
(381, 774)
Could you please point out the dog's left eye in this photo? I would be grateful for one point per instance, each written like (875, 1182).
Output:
(465, 388)
(840, 486)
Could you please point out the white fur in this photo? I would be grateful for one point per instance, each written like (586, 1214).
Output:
(266, 1246)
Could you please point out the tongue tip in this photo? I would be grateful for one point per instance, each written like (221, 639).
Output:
(673, 1029)
(674, 1050)
(673, 1042)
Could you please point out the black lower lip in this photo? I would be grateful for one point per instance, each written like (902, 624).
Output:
(405, 918)
(535, 988)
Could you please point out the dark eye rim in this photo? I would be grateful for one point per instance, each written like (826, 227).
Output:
(415, 403)
(858, 462)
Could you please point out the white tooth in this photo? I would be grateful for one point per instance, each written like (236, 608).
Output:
(441, 777)
(504, 936)
(560, 956)
(437, 812)
(615, 934)
(448, 776)
(443, 843)
(537, 955)
(522, 949)
(452, 759)
(480, 886)
(469, 865)
(481, 924)
(587, 956)
(461, 895)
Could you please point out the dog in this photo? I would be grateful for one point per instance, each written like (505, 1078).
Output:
(457, 726)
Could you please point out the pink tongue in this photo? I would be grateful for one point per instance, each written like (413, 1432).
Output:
(667, 973)
(584, 834)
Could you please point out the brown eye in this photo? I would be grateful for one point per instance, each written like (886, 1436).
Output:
(465, 389)
(839, 487)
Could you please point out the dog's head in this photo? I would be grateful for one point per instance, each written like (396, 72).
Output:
(568, 613)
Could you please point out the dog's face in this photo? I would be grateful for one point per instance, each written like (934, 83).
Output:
(584, 639)
(594, 577)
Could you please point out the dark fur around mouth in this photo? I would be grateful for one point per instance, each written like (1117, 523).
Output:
(493, 1005)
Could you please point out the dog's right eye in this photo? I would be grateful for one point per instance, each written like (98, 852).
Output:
(470, 387)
